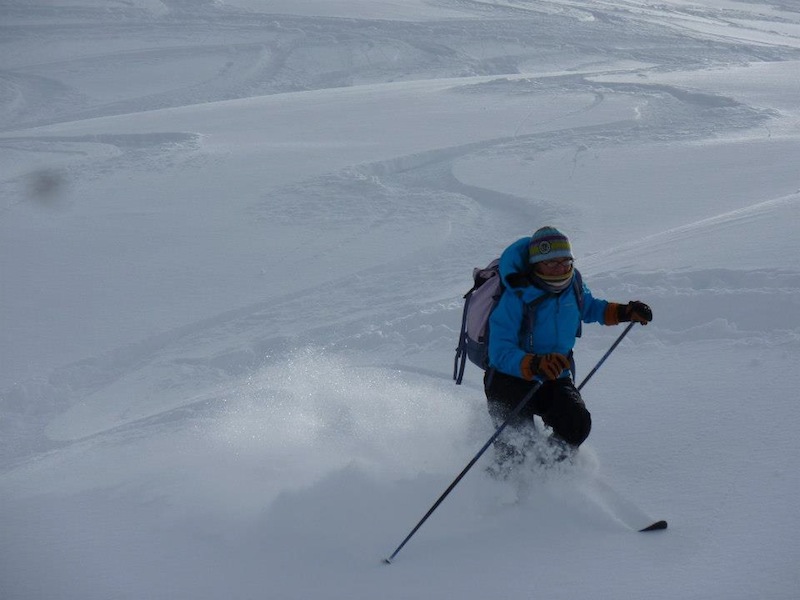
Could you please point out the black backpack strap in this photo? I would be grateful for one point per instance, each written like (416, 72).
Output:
(461, 350)
(577, 285)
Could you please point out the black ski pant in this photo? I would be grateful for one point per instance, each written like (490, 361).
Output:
(558, 402)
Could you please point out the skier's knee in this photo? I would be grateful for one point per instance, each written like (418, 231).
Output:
(574, 428)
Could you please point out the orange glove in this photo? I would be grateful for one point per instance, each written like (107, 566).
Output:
(548, 366)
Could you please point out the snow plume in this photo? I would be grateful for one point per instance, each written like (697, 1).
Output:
(314, 413)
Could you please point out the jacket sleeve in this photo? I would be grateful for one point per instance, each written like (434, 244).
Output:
(594, 309)
(505, 323)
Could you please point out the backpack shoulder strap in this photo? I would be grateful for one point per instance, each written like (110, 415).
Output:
(577, 285)
(531, 309)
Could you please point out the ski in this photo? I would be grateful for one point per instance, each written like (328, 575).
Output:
(655, 526)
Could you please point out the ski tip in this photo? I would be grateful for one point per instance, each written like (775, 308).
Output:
(387, 561)
(658, 525)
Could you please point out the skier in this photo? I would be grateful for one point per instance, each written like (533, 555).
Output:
(532, 332)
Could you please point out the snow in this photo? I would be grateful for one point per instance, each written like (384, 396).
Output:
(234, 237)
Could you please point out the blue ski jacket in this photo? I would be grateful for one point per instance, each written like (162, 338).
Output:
(558, 317)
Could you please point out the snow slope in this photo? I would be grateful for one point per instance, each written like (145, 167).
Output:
(234, 236)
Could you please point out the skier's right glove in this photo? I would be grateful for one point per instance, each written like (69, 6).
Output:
(547, 366)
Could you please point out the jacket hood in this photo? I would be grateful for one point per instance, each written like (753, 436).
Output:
(514, 259)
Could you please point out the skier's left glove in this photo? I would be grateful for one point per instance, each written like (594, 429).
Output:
(634, 310)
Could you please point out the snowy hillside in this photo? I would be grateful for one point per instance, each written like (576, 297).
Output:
(234, 237)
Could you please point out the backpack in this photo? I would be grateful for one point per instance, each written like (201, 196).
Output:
(479, 302)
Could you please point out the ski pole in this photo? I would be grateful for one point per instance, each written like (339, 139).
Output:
(449, 489)
(606, 355)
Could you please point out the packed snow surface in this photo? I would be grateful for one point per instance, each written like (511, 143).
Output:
(234, 239)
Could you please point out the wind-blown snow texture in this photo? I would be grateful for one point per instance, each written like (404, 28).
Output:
(234, 236)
